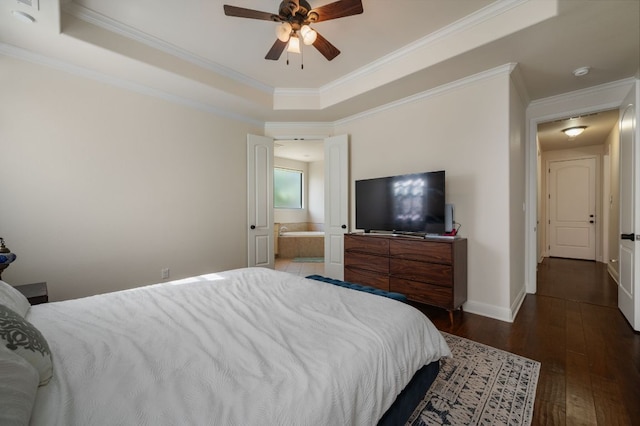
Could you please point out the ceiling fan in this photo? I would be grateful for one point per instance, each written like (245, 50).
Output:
(295, 17)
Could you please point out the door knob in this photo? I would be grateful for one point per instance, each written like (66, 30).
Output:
(253, 227)
(630, 237)
(344, 227)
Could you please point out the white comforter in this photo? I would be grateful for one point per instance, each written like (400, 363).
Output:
(243, 347)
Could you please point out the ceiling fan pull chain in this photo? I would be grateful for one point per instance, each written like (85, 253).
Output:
(301, 56)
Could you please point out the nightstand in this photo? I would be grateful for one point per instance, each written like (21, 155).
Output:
(35, 293)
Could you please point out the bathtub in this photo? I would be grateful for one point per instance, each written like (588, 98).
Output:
(302, 234)
(301, 244)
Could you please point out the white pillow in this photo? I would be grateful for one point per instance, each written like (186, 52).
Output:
(20, 336)
(18, 388)
(13, 299)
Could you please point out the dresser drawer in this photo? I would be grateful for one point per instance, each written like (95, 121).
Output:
(363, 277)
(423, 293)
(366, 244)
(433, 273)
(368, 262)
(423, 251)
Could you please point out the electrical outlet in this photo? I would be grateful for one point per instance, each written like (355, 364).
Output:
(164, 273)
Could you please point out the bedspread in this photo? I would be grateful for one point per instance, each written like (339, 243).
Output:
(243, 347)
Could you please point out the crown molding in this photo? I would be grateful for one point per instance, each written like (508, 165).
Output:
(482, 15)
(576, 94)
(117, 27)
(417, 55)
(298, 98)
(36, 58)
(505, 69)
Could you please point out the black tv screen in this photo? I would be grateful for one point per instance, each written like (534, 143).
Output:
(412, 203)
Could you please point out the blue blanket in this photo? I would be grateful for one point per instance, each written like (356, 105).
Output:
(397, 296)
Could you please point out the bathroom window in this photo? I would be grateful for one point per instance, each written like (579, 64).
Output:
(287, 188)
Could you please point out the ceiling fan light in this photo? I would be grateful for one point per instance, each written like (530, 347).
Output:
(574, 131)
(294, 44)
(308, 35)
(283, 31)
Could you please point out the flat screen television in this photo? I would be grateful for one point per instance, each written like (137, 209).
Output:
(411, 203)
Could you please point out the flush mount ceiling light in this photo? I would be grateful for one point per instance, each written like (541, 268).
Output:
(574, 131)
(22, 16)
(579, 72)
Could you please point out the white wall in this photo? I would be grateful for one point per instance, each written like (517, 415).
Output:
(102, 188)
(517, 197)
(108, 187)
(316, 192)
(465, 131)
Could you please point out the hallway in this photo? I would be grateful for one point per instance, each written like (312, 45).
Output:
(577, 280)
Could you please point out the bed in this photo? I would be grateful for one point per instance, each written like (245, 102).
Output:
(240, 347)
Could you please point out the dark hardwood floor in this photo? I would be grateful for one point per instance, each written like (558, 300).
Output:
(589, 354)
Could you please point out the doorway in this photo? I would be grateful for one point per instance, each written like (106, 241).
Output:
(577, 201)
(571, 186)
(296, 252)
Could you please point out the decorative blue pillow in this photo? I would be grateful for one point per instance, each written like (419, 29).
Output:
(20, 336)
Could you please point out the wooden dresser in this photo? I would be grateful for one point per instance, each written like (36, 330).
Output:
(429, 271)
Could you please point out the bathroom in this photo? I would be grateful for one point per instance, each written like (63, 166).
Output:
(299, 218)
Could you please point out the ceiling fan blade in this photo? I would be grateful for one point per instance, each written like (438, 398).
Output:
(327, 49)
(338, 9)
(289, 7)
(276, 50)
(241, 12)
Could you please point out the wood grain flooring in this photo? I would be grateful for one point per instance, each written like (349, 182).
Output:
(589, 354)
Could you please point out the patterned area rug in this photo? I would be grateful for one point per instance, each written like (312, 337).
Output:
(480, 385)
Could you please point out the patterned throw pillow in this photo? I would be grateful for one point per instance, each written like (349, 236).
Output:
(13, 299)
(18, 388)
(19, 335)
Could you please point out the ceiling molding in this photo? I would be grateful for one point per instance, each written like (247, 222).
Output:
(117, 27)
(521, 87)
(500, 70)
(19, 53)
(623, 84)
(304, 98)
(434, 48)
(463, 24)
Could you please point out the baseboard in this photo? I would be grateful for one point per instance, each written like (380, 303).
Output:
(486, 310)
(613, 273)
(496, 312)
(517, 303)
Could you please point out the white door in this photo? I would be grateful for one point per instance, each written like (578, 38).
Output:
(260, 201)
(336, 203)
(572, 208)
(628, 289)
